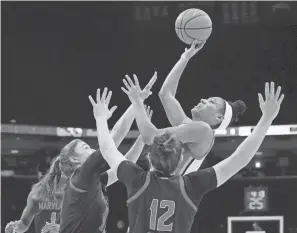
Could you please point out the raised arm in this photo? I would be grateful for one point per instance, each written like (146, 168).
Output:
(101, 114)
(248, 148)
(123, 125)
(26, 219)
(173, 109)
(132, 155)
(192, 132)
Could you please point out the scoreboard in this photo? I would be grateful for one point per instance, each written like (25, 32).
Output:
(256, 199)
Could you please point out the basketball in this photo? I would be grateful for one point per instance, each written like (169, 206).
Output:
(193, 24)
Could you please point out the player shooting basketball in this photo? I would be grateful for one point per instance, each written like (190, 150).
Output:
(160, 188)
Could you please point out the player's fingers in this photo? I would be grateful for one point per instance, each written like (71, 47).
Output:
(129, 81)
(272, 91)
(261, 100)
(278, 91)
(113, 109)
(151, 82)
(194, 44)
(266, 91)
(98, 95)
(124, 90)
(151, 114)
(107, 100)
(199, 46)
(135, 80)
(126, 84)
(280, 100)
(92, 101)
(148, 108)
(103, 97)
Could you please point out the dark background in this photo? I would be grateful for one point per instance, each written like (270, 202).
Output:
(54, 54)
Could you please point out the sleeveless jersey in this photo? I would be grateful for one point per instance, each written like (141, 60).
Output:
(161, 205)
(193, 164)
(48, 211)
(84, 211)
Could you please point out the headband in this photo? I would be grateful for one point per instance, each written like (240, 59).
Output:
(227, 117)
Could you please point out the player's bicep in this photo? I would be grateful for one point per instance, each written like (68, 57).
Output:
(173, 109)
(29, 211)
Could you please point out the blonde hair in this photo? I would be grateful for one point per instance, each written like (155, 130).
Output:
(48, 183)
(61, 165)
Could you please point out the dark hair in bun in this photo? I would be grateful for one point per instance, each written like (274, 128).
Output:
(238, 108)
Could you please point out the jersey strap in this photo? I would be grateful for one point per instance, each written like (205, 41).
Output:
(185, 195)
(141, 190)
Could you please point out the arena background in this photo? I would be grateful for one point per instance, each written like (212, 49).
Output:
(54, 54)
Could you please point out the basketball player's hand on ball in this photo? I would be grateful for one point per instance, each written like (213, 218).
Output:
(10, 227)
(101, 107)
(132, 90)
(51, 228)
(146, 92)
(195, 47)
(148, 111)
(271, 105)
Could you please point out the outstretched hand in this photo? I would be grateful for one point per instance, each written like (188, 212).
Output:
(132, 90)
(195, 47)
(271, 105)
(101, 107)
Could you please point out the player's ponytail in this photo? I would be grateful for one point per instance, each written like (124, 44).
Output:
(48, 184)
(166, 153)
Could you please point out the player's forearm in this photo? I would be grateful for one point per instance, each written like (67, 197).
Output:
(145, 126)
(123, 125)
(107, 146)
(243, 154)
(135, 151)
(172, 79)
(248, 148)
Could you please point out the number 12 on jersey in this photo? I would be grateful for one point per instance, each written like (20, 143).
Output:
(159, 224)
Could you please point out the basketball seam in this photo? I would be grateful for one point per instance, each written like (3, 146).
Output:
(195, 28)
(197, 16)
(181, 23)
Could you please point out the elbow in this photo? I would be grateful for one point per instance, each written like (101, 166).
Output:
(163, 93)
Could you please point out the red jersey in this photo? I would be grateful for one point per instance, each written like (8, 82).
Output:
(163, 204)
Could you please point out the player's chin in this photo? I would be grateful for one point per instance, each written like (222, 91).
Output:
(195, 111)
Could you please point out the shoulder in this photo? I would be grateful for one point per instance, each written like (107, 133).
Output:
(33, 199)
(204, 136)
(202, 125)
